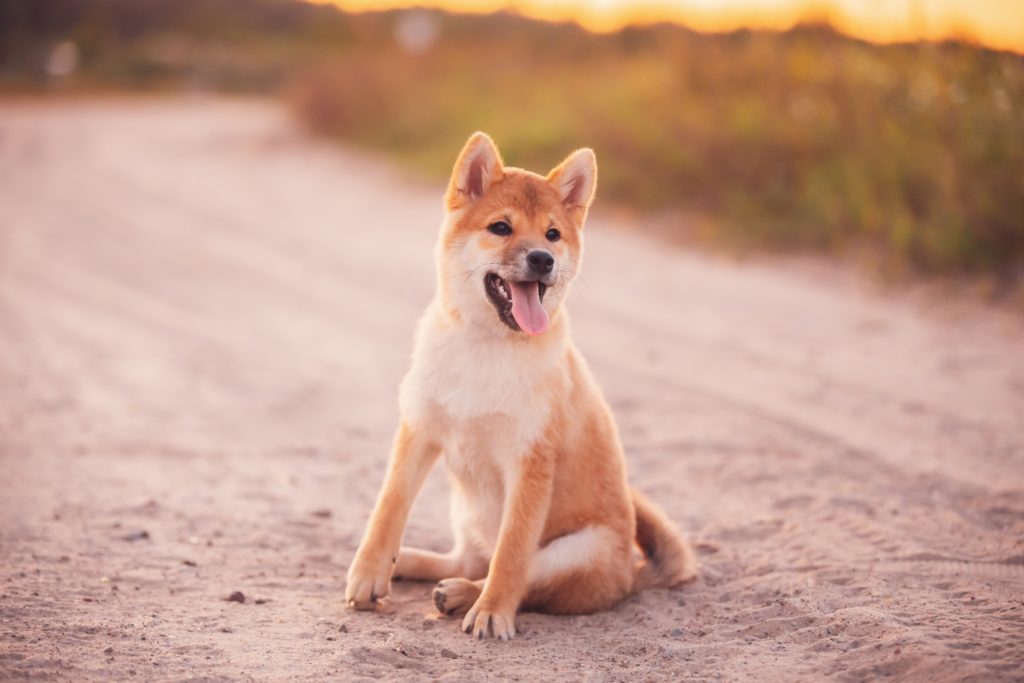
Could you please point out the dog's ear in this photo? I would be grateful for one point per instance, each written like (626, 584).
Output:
(478, 166)
(575, 179)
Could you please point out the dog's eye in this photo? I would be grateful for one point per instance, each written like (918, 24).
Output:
(553, 235)
(500, 228)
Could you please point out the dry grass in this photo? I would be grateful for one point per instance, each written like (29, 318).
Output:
(805, 139)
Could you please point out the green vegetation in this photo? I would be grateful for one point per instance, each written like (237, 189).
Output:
(803, 139)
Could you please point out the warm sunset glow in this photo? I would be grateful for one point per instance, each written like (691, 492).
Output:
(996, 23)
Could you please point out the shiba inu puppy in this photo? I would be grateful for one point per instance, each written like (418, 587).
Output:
(542, 513)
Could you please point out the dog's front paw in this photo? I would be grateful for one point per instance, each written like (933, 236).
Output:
(369, 579)
(486, 617)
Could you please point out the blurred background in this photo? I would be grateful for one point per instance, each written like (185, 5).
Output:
(889, 132)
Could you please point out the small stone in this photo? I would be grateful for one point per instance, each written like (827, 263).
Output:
(445, 652)
(676, 633)
(237, 596)
(109, 651)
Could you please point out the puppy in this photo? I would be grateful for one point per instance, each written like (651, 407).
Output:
(543, 517)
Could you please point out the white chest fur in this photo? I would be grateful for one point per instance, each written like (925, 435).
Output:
(469, 385)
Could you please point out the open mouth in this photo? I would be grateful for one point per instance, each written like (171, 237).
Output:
(519, 304)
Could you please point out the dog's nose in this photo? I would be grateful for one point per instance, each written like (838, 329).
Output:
(541, 262)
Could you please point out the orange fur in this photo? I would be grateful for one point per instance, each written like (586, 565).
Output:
(541, 509)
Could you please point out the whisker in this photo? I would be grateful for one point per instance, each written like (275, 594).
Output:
(469, 273)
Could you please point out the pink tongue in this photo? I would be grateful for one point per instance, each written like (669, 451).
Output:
(526, 308)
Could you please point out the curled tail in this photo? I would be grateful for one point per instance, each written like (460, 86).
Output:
(668, 558)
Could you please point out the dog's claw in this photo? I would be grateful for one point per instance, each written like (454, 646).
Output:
(481, 623)
(368, 581)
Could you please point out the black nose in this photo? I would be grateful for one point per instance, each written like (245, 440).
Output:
(541, 262)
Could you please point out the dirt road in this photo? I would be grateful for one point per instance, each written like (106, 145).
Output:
(203, 320)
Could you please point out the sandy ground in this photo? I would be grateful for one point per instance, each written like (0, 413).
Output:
(203, 320)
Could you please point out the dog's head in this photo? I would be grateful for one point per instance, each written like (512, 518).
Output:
(512, 240)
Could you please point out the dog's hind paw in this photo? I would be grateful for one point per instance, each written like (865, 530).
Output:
(455, 595)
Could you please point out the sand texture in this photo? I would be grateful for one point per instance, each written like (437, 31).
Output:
(204, 316)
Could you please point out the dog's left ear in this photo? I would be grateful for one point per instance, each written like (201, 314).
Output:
(576, 179)
(477, 168)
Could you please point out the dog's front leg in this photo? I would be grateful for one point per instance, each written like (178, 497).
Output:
(527, 500)
(369, 575)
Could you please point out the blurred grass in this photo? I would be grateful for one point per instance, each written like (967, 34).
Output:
(799, 140)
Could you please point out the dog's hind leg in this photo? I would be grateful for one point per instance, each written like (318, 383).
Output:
(585, 571)
(425, 565)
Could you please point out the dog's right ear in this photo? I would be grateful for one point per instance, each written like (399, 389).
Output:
(478, 166)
